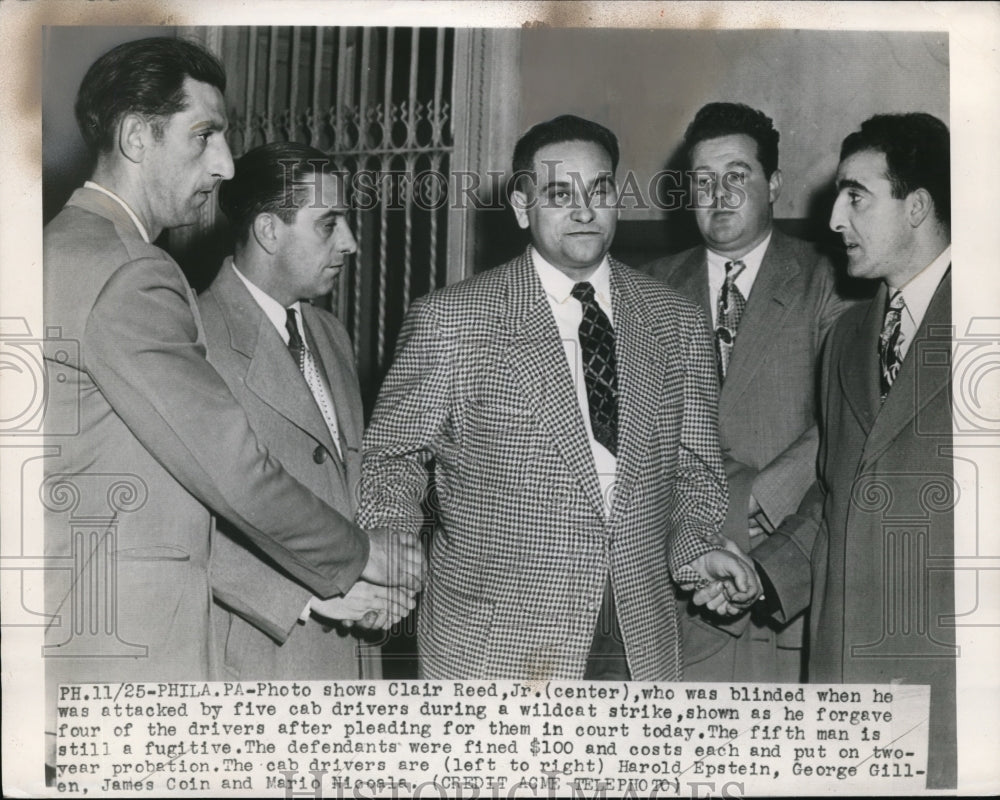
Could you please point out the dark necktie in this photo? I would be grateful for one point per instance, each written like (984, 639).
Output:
(731, 306)
(295, 344)
(890, 341)
(597, 346)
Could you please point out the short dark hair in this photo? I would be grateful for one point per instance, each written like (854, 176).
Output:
(564, 128)
(729, 119)
(917, 149)
(142, 77)
(274, 178)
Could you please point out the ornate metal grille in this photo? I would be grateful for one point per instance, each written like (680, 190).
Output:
(380, 101)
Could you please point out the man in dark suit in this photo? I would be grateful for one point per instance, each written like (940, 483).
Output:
(291, 366)
(872, 545)
(568, 403)
(770, 300)
(160, 438)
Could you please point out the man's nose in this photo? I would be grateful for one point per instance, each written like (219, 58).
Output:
(582, 211)
(346, 243)
(837, 215)
(222, 161)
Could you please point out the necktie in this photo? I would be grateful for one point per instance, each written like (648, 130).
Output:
(731, 306)
(307, 366)
(597, 346)
(890, 341)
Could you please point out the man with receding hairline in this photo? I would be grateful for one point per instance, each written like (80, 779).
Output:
(568, 404)
(161, 439)
(290, 365)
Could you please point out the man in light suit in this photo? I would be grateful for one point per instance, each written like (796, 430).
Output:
(767, 404)
(300, 391)
(157, 437)
(568, 404)
(872, 545)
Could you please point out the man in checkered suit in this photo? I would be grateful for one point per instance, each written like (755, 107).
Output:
(569, 407)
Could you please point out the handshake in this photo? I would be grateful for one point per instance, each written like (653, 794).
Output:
(726, 581)
(386, 591)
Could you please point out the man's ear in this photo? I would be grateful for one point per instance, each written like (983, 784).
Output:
(918, 206)
(265, 232)
(520, 203)
(135, 134)
(774, 186)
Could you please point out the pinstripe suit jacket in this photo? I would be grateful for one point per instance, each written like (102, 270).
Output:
(767, 407)
(519, 558)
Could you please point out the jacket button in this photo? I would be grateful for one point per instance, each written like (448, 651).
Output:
(319, 454)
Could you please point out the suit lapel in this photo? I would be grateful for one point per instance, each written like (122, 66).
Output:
(773, 294)
(917, 383)
(640, 380)
(537, 361)
(271, 374)
(335, 378)
(858, 368)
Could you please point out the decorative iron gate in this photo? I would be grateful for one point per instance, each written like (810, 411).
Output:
(379, 100)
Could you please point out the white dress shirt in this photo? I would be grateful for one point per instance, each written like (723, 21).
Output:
(917, 294)
(98, 188)
(568, 313)
(744, 281)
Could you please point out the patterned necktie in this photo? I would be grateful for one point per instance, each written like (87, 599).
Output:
(597, 346)
(890, 341)
(295, 344)
(731, 306)
(307, 366)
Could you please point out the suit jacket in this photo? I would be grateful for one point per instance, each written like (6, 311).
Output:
(767, 406)
(149, 437)
(522, 550)
(259, 631)
(872, 545)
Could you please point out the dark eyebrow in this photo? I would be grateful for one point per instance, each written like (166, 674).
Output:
(211, 124)
(848, 183)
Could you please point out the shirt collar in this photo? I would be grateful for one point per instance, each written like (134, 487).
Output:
(559, 286)
(919, 290)
(132, 215)
(752, 259)
(272, 309)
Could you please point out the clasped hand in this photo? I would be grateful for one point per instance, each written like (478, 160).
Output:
(729, 583)
(367, 605)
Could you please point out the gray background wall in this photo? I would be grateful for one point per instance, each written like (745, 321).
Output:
(816, 85)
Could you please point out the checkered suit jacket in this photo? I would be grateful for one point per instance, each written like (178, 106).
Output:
(522, 547)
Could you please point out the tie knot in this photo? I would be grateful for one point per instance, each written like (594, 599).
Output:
(733, 269)
(584, 292)
(896, 301)
(294, 338)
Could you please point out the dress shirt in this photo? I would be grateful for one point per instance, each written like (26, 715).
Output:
(744, 281)
(98, 188)
(568, 313)
(917, 294)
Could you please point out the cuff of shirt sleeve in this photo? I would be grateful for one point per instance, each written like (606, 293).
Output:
(769, 603)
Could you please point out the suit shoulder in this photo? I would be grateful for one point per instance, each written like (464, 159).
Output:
(667, 267)
(663, 296)
(482, 291)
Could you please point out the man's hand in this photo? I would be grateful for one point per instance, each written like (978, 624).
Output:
(732, 585)
(367, 604)
(395, 559)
